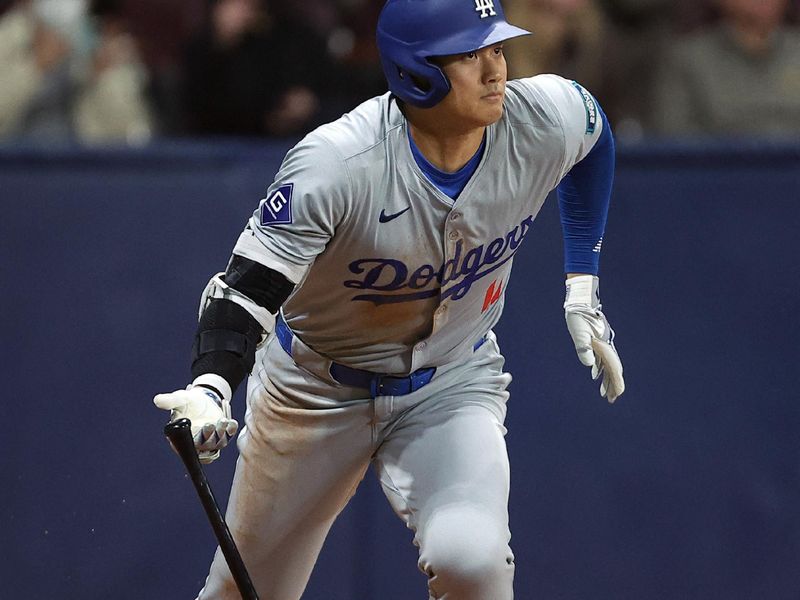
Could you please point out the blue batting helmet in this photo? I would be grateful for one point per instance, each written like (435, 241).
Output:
(412, 31)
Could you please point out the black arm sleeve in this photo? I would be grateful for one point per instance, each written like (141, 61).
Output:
(227, 334)
(225, 343)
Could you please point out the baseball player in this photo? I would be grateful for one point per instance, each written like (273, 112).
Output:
(361, 295)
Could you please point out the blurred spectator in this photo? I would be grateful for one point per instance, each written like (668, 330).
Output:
(348, 28)
(162, 29)
(36, 64)
(70, 72)
(353, 48)
(111, 101)
(251, 72)
(634, 44)
(739, 76)
(568, 39)
(610, 46)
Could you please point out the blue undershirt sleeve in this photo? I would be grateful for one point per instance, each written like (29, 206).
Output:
(583, 197)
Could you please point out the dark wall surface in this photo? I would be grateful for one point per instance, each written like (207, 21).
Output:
(687, 488)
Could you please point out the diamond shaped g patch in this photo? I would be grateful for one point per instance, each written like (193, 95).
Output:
(277, 208)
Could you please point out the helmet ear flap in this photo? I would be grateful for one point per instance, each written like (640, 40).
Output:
(422, 87)
(421, 83)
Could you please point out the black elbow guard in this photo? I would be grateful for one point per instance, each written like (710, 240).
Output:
(264, 286)
(225, 343)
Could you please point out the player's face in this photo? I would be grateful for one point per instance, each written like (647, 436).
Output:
(478, 85)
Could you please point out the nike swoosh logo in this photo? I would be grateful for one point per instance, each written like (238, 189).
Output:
(384, 218)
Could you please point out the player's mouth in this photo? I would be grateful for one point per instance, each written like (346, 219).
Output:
(496, 96)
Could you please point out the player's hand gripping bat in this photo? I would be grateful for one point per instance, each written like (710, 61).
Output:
(179, 434)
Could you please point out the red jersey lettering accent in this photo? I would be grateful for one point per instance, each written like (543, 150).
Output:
(492, 294)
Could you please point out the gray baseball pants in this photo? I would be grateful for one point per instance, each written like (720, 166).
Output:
(439, 453)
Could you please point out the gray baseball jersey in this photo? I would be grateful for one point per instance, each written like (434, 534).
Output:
(395, 275)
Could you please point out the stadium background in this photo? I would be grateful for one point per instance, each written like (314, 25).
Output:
(687, 488)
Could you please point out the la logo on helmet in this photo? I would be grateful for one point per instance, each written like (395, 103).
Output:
(486, 8)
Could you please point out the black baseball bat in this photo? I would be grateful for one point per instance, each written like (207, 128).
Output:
(179, 434)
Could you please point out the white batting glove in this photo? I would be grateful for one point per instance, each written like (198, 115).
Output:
(210, 413)
(592, 335)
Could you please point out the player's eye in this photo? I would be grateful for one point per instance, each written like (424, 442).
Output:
(471, 55)
(498, 50)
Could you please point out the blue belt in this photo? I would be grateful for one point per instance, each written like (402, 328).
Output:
(377, 384)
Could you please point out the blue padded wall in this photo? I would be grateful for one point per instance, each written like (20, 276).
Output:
(687, 488)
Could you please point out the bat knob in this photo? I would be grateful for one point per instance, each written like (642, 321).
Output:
(177, 427)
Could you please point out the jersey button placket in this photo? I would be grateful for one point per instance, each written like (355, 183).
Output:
(452, 237)
(453, 234)
(439, 317)
(419, 355)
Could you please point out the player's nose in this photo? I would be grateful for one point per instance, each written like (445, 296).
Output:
(493, 69)
(493, 78)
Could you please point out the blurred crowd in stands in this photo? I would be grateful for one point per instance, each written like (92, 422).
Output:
(128, 71)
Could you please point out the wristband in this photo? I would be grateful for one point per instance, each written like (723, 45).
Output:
(582, 290)
(216, 384)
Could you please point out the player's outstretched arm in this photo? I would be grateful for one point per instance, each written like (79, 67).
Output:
(592, 335)
(583, 198)
(237, 309)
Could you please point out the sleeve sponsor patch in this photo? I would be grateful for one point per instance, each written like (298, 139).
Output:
(589, 105)
(277, 208)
